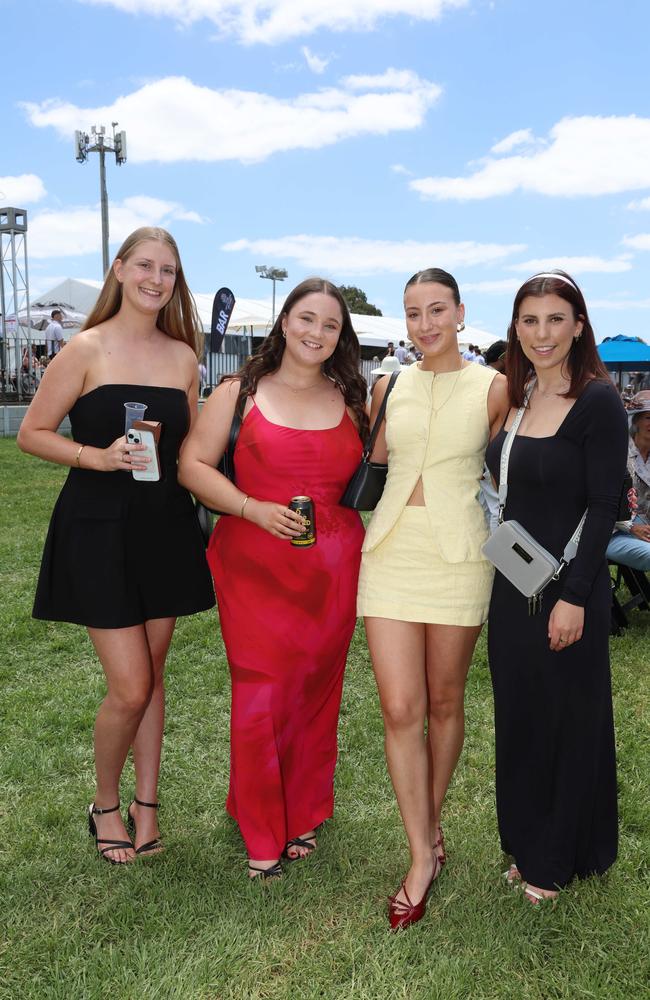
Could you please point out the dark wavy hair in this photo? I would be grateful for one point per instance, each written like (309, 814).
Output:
(342, 366)
(583, 361)
(440, 277)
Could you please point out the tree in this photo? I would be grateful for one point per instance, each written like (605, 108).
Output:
(357, 301)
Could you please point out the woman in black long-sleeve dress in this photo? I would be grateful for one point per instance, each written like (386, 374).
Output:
(555, 756)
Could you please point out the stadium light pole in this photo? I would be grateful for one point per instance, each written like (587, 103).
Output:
(273, 274)
(99, 142)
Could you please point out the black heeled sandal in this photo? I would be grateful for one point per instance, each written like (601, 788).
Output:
(152, 846)
(113, 845)
(304, 842)
(273, 871)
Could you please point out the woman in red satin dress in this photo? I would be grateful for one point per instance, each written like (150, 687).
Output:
(287, 613)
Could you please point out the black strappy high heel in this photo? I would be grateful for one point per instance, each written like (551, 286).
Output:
(113, 845)
(273, 871)
(304, 842)
(152, 846)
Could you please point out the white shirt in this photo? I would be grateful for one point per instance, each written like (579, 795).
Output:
(53, 337)
(401, 354)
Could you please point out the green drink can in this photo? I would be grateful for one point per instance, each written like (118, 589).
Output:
(305, 507)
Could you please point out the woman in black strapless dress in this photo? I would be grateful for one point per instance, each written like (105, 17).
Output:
(124, 557)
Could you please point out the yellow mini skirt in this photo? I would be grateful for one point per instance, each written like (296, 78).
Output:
(405, 579)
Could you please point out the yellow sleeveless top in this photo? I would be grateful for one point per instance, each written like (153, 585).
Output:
(437, 427)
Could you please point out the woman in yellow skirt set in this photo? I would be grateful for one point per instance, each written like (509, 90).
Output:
(424, 588)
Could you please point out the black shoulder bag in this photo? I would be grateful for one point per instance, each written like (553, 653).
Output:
(364, 490)
(226, 467)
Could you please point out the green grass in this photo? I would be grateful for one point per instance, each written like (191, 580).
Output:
(189, 926)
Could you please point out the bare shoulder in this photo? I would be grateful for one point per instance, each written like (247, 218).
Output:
(84, 346)
(380, 389)
(499, 387)
(498, 401)
(182, 352)
(229, 388)
(223, 399)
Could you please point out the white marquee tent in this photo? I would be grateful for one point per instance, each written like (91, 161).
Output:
(253, 316)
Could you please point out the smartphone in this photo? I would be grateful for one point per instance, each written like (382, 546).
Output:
(146, 432)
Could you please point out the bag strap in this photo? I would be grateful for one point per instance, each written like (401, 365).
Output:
(571, 546)
(227, 460)
(505, 451)
(235, 428)
(367, 451)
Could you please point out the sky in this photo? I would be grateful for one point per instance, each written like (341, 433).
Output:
(361, 140)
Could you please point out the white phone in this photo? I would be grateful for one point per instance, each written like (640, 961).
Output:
(140, 435)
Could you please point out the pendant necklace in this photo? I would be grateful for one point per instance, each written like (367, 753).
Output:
(436, 409)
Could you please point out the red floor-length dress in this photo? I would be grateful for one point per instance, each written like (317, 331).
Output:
(287, 617)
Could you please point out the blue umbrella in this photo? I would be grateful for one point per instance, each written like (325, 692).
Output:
(625, 354)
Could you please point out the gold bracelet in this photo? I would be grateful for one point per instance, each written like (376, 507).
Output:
(79, 456)
(246, 499)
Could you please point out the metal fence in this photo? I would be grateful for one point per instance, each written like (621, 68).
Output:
(22, 363)
(24, 360)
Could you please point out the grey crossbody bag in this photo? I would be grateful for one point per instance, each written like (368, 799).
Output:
(523, 561)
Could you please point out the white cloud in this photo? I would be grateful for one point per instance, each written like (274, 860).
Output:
(77, 230)
(618, 304)
(21, 190)
(397, 79)
(317, 64)
(575, 265)
(522, 137)
(354, 255)
(274, 21)
(582, 156)
(642, 205)
(399, 168)
(174, 119)
(502, 286)
(639, 242)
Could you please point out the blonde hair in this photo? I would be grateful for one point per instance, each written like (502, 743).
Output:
(179, 319)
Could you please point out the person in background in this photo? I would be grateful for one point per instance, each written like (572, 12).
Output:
(495, 357)
(401, 353)
(124, 557)
(478, 356)
(287, 611)
(424, 587)
(554, 729)
(390, 349)
(468, 355)
(54, 334)
(630, 543)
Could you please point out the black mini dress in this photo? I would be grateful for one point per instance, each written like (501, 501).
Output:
(120, 552)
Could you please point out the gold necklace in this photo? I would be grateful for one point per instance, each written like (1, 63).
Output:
(436, 409)
(300, 388)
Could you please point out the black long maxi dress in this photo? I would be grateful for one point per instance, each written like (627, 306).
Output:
(554, 729)
(121, 552)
